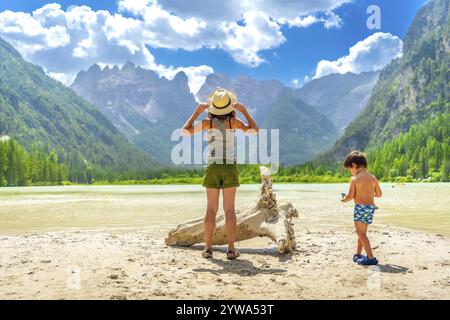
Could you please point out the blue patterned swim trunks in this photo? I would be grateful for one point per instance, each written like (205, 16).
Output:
(364, 213)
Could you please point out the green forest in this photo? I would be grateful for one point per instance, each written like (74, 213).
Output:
(421, 154)
(35, 108)
(59, 138)
(43, 166)
(19, 167)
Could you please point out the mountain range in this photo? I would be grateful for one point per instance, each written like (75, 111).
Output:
(304, 130)
(35, 108)
(143, 106)
(410, 91)
(147, 108)
(119, 120)
(340, 97)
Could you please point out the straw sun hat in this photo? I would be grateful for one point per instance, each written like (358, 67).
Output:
(221, 102)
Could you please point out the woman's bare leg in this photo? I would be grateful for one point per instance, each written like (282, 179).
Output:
(229, 196)
(212, 196)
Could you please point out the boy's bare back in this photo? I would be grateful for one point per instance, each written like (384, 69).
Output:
(366, 188)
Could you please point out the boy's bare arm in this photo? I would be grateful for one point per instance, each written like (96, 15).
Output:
(378, 192)
(351, 192)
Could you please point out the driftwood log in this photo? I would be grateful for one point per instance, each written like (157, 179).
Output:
(265, 219)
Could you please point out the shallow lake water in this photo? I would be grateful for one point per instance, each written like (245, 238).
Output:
(423, 207)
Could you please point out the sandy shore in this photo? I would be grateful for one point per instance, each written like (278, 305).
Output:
(103, 265)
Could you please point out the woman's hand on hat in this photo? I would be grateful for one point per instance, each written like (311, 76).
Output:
(201, 108)
(239, 107)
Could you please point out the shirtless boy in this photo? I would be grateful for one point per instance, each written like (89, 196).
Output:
(364, 187)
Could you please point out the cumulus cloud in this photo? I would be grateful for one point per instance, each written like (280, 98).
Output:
(290, 9)
(258, 33)
(329, 20)
(196, 75)
(207, 10)
(65, 78)
(370, 54)
(50, 36)
(296, 83)
(30, 33)
(243, 38)
(133, 6)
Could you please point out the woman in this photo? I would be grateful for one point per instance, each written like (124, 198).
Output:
(221, 171)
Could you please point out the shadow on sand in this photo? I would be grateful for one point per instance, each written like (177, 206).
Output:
(387, 268)
(255, 251)
(241, 266)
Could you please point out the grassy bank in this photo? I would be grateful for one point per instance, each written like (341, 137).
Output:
(247, 180)
(246, 177)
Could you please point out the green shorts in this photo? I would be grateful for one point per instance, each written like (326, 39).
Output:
(221, 176)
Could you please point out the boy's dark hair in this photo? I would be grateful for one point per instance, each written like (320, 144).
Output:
(357, 158)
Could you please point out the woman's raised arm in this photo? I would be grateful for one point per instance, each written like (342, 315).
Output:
(251, 126)
(189, 128)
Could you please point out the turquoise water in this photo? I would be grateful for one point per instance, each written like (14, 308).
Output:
(422, 207)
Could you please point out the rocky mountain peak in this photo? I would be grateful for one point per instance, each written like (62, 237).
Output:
(181, 78)
(431, 18)
(129, 66)
(95, 68)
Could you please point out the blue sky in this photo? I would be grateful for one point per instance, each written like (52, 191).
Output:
(263, 41)
(304, 48)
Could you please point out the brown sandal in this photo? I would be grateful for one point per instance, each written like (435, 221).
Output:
(232, 254)
(207, 254)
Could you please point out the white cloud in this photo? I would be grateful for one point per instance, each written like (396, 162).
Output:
(290, 9)
(296, 83)
(30, 33)
(207, 10)
(244, 37)
(51, 36)
(302, 22)
(330, 20)
(64, 78)
(133, 6)
(370, 54)
(258, 33)
(196, 75)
